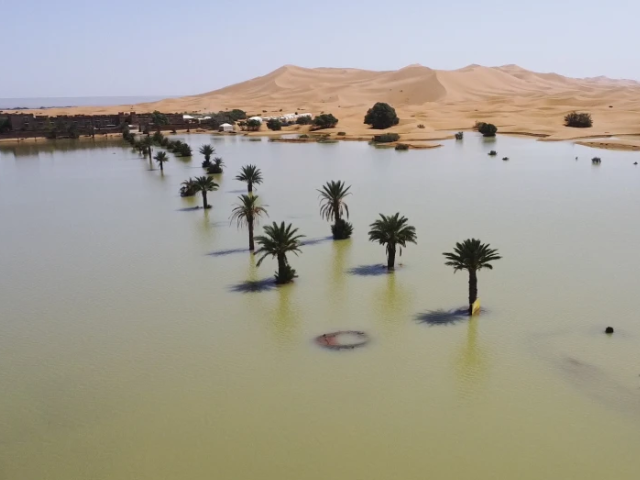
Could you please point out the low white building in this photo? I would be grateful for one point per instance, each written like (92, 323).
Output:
(225, 127)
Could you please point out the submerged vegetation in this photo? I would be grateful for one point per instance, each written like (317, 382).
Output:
(472, 255)
(386, 138)
(333, 208)
(393, 232)
(250, 174)
(277, 242)
(487, 129)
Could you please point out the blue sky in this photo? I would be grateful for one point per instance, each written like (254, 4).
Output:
(145, 47)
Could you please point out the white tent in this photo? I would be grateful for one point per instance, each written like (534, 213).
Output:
(225, 127)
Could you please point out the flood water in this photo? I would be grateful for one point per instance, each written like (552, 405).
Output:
(137, 341)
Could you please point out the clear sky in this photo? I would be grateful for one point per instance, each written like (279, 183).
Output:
(161, 47)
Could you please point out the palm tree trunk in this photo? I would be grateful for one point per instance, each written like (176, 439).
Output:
(204, 199)
(391, 256)
(473, 289)
(251, 244)
(282, 265)
(161, 167)
(250, 187)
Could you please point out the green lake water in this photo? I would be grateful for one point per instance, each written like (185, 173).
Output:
(131, 350)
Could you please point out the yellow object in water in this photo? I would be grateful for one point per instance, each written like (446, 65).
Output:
(475, 308)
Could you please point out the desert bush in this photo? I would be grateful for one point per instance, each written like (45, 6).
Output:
(488, 129)
(402, 146)
(325, 120)
(578, 120)
(304, 120)
(274, 124)
(381, 115)
(253, 125)
(304, 135)
(459, 135)
(420, 126)
(342, 134)
(386, 138)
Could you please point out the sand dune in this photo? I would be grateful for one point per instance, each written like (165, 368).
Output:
(515, 99)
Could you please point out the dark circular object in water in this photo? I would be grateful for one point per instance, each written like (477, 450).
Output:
(609, 330)
(342, 340)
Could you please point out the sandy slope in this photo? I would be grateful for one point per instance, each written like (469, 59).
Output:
(515, 99)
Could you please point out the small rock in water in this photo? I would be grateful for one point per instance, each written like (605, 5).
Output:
(635, 163)
(609, 330)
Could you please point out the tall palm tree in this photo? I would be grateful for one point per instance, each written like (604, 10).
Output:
(392, 231)
(160, 158)
(207, 151)
(333, 208)
(472, 255)
(248, 212)
(250, 174)
(204, 184)
(277, 241)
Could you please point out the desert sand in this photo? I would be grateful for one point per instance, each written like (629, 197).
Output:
(516, 100)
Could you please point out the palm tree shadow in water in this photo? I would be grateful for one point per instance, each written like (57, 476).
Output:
(231, 251)
(315, 241)
(443, 317)
(189, 209)
(375, 270)
(254, 286)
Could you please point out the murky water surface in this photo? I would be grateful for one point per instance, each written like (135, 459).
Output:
(137, 341)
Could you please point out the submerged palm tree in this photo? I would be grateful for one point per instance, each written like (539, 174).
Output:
(207, 151)
(472, 255)
(160, 158)
(188, 188)
(392, 231)
(204, 184)
(277, 241)
(248, 212)
(333, 208)
(147, 143)
(216, 166)
(250, 174)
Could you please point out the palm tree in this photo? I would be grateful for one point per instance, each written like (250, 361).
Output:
(472, 255)
(392, 231)
(277, 241)
(161, 157)
(216, 166)
(207, 151)
(247, 212)
(333, 207)
(204, 184)
(250, 174)
(147, 142)
(188, 188)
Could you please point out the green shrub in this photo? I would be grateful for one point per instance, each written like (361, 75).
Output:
(304, 135)
(342, 134)
(253, 125)
(459, 135)
(402, 146)
(274, 124)
(305, 120)
(381, 115)
(578, 120)
(488, 129)
(493, 153)
(386, 138)
(341, 230)
(420, 126)
(596, 160)
(325, 120)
